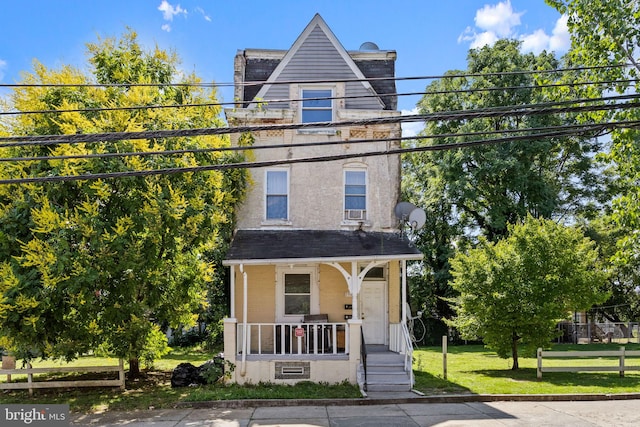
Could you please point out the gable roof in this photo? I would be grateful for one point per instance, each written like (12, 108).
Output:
(286, 246)
(314, 67)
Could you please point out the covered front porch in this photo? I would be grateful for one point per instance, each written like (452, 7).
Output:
(299, 312)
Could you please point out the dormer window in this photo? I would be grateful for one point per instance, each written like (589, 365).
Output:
(317, 105)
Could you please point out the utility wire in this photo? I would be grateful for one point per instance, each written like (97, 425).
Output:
(248, 165)
(581, 128)
(504, 111)
(314, 81)
(330, 98)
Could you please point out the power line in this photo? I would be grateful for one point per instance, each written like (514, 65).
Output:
(525, 110)
(331, 98)
(578, 128)
(603, 128)
(314, 81)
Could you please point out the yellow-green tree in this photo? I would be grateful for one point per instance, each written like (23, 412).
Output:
(103, 263)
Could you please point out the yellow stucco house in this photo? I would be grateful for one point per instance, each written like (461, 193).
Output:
(317, 263)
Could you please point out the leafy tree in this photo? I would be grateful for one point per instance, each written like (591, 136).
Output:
(473, 192)
(606, 35)
(103, 263)
(514, 291)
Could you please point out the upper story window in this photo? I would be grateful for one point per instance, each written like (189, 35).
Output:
(277, 195)
(314, 108)
(355, 195)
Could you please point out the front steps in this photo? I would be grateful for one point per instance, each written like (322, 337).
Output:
(385, 371)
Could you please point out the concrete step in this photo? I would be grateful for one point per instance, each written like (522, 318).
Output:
(385, 372)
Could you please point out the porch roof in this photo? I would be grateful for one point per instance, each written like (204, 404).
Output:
(286, 246)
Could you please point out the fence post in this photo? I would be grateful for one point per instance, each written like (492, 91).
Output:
(621, 362)
(29, 378)
(121, 374)
(444, 357)
(539, 373)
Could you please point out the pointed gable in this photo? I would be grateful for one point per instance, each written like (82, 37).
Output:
(318, 56)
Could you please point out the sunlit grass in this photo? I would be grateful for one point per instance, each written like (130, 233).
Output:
(474, 369)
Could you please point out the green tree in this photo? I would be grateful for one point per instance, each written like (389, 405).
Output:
(514, 291)
(605, 34)
(473, 192)
(104, 263)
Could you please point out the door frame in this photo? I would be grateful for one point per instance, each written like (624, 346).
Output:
(383, 309)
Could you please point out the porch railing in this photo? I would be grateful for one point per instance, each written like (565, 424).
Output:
(294, 338)
(400, 342)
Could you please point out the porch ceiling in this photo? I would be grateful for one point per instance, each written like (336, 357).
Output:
(286, 246)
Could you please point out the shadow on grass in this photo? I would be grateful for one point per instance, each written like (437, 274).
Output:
(434, 385)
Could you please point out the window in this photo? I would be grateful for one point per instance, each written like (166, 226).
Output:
(277, 195)
(297, 294)
(355, 195)
(317, 110)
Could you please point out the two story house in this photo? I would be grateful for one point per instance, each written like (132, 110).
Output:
(318, 264)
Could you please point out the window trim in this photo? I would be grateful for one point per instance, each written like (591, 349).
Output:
(266, 195)
(314, 307)
(344, 194)
(301, 109)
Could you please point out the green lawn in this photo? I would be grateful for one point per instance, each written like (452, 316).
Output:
(474, 369)
(471, 369)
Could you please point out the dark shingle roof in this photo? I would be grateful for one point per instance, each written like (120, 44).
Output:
(313, 244)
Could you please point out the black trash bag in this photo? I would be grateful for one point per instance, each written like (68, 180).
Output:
(184, 375)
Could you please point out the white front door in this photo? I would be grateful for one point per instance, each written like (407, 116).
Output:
(373, 311)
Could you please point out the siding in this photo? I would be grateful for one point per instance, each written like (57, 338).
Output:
(318, 59)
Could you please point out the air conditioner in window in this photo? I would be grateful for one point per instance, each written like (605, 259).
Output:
(355, 214)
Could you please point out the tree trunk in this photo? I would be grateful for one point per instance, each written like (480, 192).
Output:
(134, 368)
(514, 350)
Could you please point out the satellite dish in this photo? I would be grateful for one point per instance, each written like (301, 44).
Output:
(369, 46)
(417, 218)
(403, 210)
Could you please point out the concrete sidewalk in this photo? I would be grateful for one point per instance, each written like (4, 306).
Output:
(414, 412)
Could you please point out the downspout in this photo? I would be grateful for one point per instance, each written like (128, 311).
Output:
(243, 369)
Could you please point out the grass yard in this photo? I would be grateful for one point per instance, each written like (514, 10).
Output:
(153, 388)
(471, 369)
(474, 369)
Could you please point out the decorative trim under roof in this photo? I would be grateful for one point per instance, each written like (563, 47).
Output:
(287, 246)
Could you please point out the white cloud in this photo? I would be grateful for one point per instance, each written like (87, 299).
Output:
(535, 42)
(166, 27)
(560, 38)
(169, 11)
(483, 39)
(3, 66)
(411, 128)
(494, 22)
(204, 14)
(499, 19)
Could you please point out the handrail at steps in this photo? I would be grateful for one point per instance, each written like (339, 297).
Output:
(408, 351)
(363, 357)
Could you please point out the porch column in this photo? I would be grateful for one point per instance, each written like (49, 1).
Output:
(355, 291)
(230, 341)
(355, 330)
(232, 292)
(403, 274)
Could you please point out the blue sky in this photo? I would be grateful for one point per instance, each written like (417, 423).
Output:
(430, 37)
